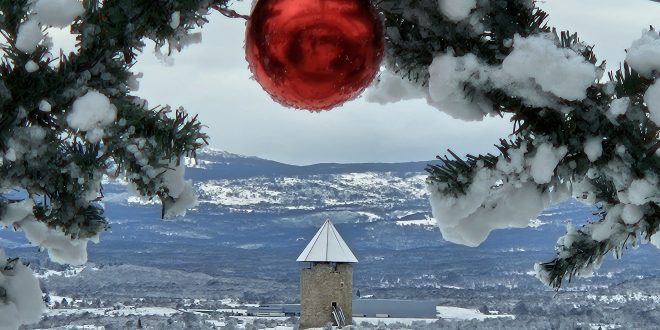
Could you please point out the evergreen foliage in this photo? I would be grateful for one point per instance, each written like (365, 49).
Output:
(109, 34)
(418, 31)
(56, 161)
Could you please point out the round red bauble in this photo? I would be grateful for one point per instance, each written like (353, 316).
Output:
(314, 54)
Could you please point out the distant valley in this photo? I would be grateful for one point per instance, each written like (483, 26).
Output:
(255, 216)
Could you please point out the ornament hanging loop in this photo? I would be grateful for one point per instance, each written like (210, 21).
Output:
(230, 12)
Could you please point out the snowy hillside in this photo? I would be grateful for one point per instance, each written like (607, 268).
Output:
(254, 218)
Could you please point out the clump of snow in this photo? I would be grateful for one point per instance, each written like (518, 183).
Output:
(544, 162)
(449, 210)
(91, 113)
(44, 106)
(16, 212)
(31, 66)
(179, 189)
(10, 155)
(508, 196)
(61, 248)
(655, 239)
(457, 10)
(632, 214)
(652, 100)
(29, 36)
(618, 107)
(537, 71)
(446, 87)
(565, 242)
(560, 71)
(593, 147)
(57, 13)
(389, 88)
(541, 274)
(21, 302)
(469, 219)
(175, 19)
(605, 229)
(516, 161)
(641, 191)
(644, 54)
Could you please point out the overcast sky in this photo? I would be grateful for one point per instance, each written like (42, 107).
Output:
(212, 79)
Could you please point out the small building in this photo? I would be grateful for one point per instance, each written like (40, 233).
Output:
(326, 287)
(371, 308)
(275, 310)
(394, 308)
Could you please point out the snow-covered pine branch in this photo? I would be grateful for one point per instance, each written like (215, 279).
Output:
(575, 134)
(69, 119)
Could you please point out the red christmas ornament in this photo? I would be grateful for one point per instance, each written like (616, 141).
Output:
(314, 54)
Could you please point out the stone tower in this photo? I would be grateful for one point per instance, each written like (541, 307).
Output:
(326, 287)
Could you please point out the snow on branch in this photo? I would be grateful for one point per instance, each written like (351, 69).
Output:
(575, 134)
(66, 123)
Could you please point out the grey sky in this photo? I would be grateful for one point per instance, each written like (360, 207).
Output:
(211, 79)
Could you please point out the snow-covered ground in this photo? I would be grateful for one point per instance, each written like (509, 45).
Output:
(70, 272)
(458, 313)
(422, 222)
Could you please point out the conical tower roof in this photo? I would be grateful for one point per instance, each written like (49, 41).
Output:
(327, 246)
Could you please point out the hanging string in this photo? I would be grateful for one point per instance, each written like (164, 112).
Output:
(230, 12)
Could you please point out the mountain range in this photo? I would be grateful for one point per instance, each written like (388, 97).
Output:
(255, 216)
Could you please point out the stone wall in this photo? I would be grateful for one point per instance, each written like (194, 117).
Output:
(320, 286)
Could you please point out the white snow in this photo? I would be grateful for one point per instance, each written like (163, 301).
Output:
(544, 162)
(389, 88)
(644, 54)
(57, 13)
(470, 218)
(458, 313)
(22, 303)
(70, 272)
(593, 147)
(560, 71)
(516, 161)
(91, 113)
(16, 212)
(605, 229)
(457, 10)
(541, 274)
(10, 155)
(125, 311)
(632, 214)
(537, 71)
(175, 20)
(566, 241)
(641, 191)
(655, 239)
(448, 75)
(423, 222)
(619, 106)
(505, 197)
(652, 100)
(31, 66)
(44, 106)
(180, 189)
(61, 248)
(29, 36)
